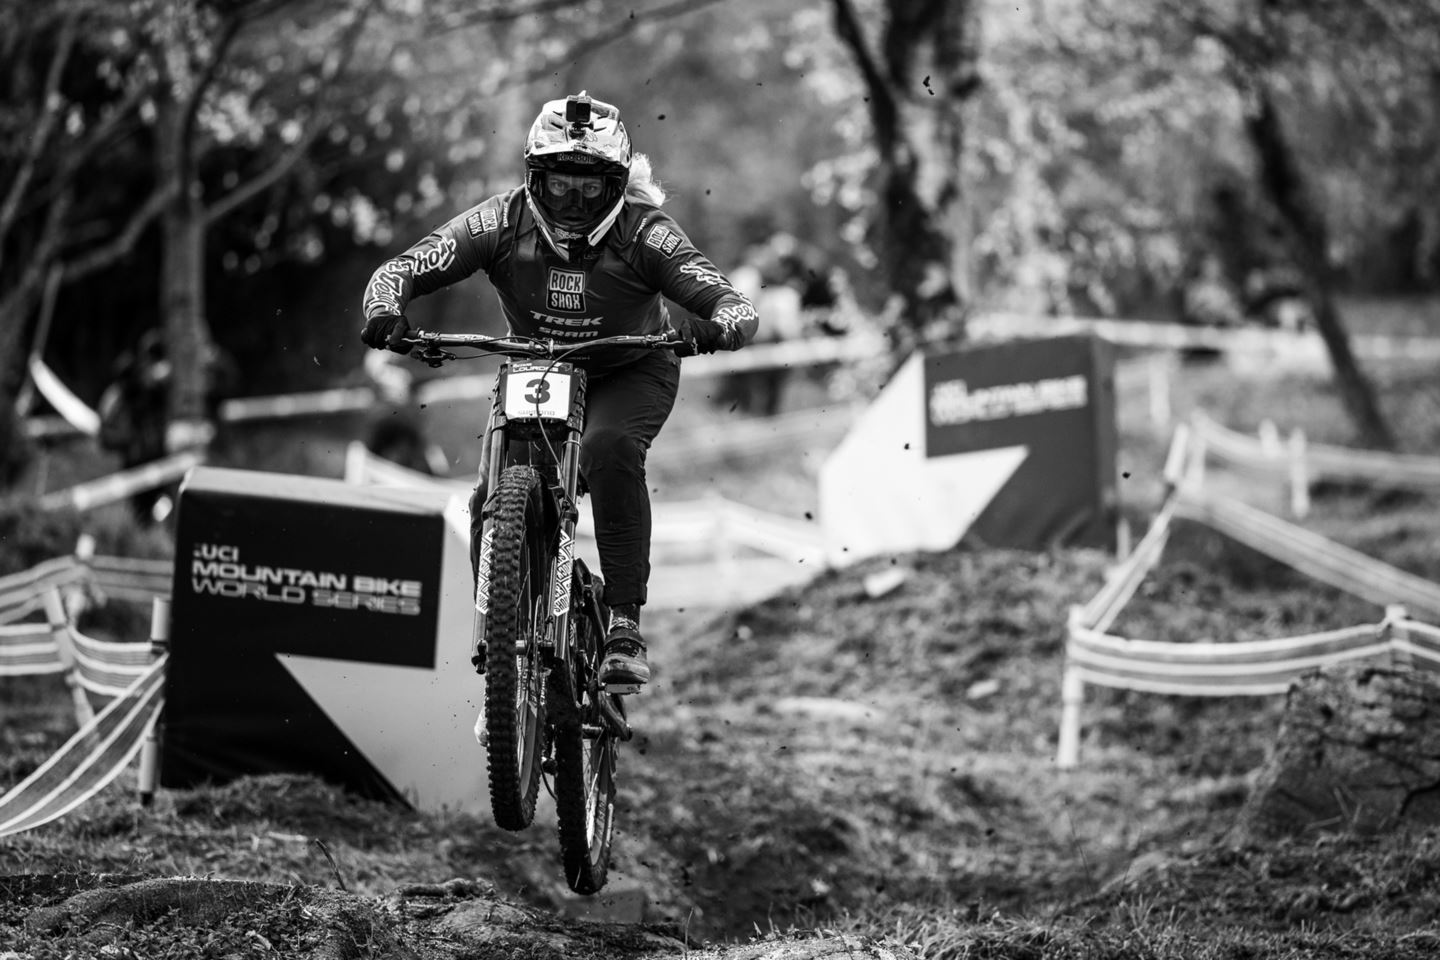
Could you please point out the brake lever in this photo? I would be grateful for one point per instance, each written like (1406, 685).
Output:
(432, 355)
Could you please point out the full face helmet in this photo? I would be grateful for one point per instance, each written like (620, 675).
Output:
(577, 162)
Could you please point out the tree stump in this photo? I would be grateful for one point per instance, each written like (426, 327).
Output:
(1358, 749)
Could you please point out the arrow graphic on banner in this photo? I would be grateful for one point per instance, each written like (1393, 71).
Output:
(880, 493)
(413, 724)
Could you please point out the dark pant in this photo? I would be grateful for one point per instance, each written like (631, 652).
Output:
(624, 411)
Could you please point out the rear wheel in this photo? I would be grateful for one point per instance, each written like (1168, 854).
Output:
(585, 756)
(514, 680)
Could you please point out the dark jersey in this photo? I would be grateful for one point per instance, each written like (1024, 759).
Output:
(644, 258)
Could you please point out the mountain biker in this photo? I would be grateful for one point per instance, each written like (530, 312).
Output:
(582, 250)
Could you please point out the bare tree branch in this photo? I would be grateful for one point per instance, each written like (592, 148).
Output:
(453, 20)
(191, 106)
(41, 257)
(50, 103)
(124, 241)
(604, 37)
(319, 116)
(263, 181)
(884, 111)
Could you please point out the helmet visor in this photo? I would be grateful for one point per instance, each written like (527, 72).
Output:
(573, 200)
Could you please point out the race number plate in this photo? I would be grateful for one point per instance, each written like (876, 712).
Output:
(537, 391)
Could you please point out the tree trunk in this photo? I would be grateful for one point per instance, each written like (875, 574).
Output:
(14, 450)
(1285, 185)
(182, 283)
(918, 84)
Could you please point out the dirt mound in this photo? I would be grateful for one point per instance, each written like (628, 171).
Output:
(871, 752)
(1359, 750)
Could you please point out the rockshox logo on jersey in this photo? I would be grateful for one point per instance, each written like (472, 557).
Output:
(664, 239)
(486, 221)
(567, 290)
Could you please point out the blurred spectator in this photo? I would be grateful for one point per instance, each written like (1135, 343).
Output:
(132, 413)
(773, 277)
(1275, 297)
(396, 431)
(1207, 299)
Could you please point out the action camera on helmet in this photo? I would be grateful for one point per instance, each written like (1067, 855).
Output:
(577, 110)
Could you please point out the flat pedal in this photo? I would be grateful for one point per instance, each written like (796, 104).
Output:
(622, 689)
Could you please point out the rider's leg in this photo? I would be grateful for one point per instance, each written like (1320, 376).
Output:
(624, 412)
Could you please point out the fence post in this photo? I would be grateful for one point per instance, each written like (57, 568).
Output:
(1175, 457)
(355, 459)
(59, 623)
(1072, 698)
(1159, 377)
(1299, 476)
(1269, 436)
(150, 748)
(1194, 476)
(1398, 635)
(1124, 539)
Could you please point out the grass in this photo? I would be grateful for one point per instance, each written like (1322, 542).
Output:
(883, 767)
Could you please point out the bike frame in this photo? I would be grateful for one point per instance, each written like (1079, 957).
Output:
(527, 409)
(513, 424)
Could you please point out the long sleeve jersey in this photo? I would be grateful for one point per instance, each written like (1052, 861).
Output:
(644, 258)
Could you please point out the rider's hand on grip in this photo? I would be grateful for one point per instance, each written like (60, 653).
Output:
(707, 336)
(386, 331)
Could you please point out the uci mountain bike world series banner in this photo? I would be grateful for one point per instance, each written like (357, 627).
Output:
(321, 627)
(1012, 443)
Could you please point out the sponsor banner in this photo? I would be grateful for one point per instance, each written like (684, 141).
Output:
(346, 581)
(1015, 442)
(1053, 397)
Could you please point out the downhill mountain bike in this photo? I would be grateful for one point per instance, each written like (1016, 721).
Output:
(541, 616)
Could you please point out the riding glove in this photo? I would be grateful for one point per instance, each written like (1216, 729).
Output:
(723, 331)
(386, 330)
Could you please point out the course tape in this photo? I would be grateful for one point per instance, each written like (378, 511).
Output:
(28, 649)
(1321, 461)
(118, 486)
(90, 760)
(102, 666)
(1246, 668)
(1324, 560)
(76, 412)
(20, 592)
(107, 667)
(1226, 669)
(1175, 336)
(684, 523)
(1126, 578)
(76, 416)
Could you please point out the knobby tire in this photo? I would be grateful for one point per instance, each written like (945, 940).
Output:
(584, 766)
(514, 686)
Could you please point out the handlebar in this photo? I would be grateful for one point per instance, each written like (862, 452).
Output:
(431, 347)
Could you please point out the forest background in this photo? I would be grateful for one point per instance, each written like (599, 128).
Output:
(231, 171)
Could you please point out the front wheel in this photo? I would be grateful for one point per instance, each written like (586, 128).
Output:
(514, 681)
(585, 756)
